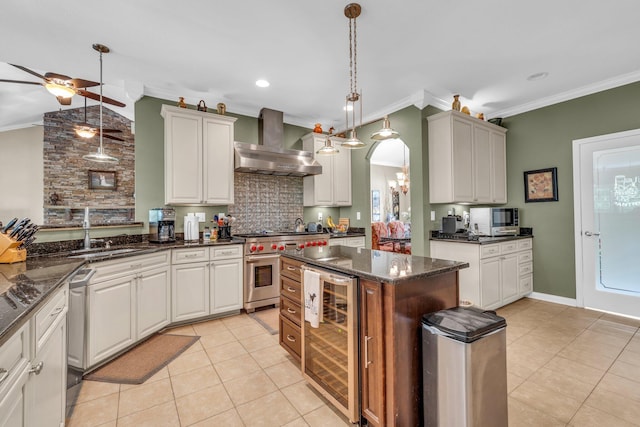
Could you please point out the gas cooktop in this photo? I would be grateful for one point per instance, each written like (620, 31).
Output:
(269, 233)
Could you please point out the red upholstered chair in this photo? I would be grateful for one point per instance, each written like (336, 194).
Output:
(397, 230)
(378, 230)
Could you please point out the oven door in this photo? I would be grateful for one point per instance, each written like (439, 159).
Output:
(262, 278)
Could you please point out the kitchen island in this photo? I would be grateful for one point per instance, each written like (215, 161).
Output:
(395, 290)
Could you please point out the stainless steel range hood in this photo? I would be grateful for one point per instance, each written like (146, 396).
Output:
(269, 157)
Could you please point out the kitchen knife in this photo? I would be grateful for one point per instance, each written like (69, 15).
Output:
(27, 242)
(9, 225)
(23, 234)
(29, 232)
(15, 231)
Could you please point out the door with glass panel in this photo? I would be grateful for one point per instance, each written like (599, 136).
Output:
(607, 222)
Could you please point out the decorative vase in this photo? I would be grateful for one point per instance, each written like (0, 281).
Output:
(318, 128)
(222, 109)
(456, 103)
(466, 111)
(202, 106)
(181, 103)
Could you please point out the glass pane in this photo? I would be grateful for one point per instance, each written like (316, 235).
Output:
(263, 276)
(616, 176)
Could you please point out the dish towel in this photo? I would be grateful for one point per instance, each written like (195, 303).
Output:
(312, 298)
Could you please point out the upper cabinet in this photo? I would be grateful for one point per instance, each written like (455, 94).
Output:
(467, 160)
(333, 186)
(198, 157)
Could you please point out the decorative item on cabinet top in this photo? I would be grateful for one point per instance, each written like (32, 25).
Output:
(202, 106)
(181, 102)
(456, 103)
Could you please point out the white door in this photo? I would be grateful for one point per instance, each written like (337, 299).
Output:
(607, 212)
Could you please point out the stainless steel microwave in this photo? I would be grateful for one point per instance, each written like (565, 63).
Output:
(494, 221)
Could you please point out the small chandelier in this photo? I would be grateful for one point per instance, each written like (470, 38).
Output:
(353, 100)
(403, 177)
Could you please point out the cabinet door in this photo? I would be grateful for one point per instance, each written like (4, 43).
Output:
(153, 296)
(482, 165)
(111, 323)
(372, 353)
(318, 189)
(342, 177)
(190, 286)
(47, 387)
(218, 167)
(462, 149)
(499, 167)
(490, 283)
(13, 401)
(182, 158)
(509, 274)
(226, 285)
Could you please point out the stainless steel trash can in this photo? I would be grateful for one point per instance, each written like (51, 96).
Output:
(464, 368)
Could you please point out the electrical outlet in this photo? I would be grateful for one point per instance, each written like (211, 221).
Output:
(320, 216)
(201, 216)
(358, 216)
(433, 215)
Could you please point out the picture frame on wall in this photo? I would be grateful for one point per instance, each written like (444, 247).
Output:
(541, 185)
(375, 205)
(102, 180)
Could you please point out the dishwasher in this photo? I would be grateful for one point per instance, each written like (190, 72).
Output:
(76, 318)
(330, 337)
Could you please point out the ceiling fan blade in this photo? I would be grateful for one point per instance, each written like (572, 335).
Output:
(112, 137)
(20, 81)
(111, 131)
(82, 83)
(56, 76)
(63, 101)
(96, 97)
(25, 69)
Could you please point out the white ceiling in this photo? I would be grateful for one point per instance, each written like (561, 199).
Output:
(410, 52)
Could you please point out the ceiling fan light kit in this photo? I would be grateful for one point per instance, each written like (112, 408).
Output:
(61, 90)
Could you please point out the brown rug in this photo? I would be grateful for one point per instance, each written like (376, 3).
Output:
(144, 360)
(268, 318)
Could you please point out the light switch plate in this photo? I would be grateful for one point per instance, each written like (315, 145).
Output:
(433, 215)
(358, 216)
(201, 216)
(320, 216)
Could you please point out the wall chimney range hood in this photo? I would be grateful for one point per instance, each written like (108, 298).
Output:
(269, 157)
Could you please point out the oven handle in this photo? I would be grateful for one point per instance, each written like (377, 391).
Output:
(337, 280)
(254, 258)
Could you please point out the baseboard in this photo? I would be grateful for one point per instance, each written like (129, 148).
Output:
(553, 298)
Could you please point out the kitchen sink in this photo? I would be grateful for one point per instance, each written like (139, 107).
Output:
(327, 259)
(106, 254)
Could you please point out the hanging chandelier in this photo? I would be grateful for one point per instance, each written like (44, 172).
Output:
(403, 177)
(353, 100)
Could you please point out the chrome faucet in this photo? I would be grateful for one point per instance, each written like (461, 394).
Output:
(86, 225)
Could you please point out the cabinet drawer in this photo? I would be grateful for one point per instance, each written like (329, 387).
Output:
(508, 247)
(291, 310)
(526, 284)
(526, 256)
(48, 315)
(14, 356)
(291, 269)
(489, 250)
(226, 252)
(292, 289)
(184, 256)
(524, 269)
(525, 244)
(290, 337)
(355, 241)
(111, 269)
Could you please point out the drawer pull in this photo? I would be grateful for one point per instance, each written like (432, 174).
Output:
(191, 255)
(37, 368)
(291, 338)
(3, 374)
(135, 266)
(291, 268)
(57, 311)
(292, 290)
(227, 252)
(291, 311)
(367, 362)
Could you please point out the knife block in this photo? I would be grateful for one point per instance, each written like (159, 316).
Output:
(9, 252)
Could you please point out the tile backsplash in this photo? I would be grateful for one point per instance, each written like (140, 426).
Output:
(266, 202)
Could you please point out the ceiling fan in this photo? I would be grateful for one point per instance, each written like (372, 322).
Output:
(64, 87)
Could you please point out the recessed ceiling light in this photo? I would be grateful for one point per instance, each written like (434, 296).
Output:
(262, 83)
(538, 76)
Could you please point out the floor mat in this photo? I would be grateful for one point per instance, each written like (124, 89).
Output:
(143, 361)
(268, 318)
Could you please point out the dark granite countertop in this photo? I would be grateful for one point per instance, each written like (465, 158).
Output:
(348, 234)
(389, 267)
(481, 240)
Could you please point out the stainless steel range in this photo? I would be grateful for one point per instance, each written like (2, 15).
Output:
(262, 263)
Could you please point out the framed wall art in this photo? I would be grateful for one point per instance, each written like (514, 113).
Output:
(375, 205)
(541, 185)
(102, 180)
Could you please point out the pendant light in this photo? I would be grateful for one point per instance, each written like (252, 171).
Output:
(386, 132)
(328, 148)
(100, 156)
(353, 102)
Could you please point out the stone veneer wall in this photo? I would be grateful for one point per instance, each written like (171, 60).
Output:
(266, 202)
(66, 172)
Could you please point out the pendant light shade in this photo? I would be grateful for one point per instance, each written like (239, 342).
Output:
(328, 148)
(353, 141)
(386, 132)
(100, 156)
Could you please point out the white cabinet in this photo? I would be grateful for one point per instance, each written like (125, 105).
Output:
(127, 300)
(333, 186)
(198, 157)
(498, 273)
(354, 242)
(15, 362)
(467, 160)
(206, 281)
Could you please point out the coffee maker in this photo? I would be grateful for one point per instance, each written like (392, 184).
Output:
(162, 225)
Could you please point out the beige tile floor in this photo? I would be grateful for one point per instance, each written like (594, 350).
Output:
(565, 367)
